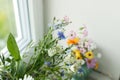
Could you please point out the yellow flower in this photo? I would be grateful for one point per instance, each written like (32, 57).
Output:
(73, 41)
(89, 55)
(77, 54)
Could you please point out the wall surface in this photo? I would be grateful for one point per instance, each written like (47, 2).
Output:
(36, 18)
(102, 17)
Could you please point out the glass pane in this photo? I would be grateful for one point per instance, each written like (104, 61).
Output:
(7, 21)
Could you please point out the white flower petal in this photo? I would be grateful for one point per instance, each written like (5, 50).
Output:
(74, 48)
(74, 67)
(27, 77)
(82, 62)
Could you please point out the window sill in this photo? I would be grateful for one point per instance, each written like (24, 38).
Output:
(99, 76)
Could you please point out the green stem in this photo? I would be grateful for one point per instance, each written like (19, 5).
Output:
(42, 46)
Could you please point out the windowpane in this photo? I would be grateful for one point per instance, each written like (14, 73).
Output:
(7, 21)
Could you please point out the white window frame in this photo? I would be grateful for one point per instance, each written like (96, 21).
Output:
(23, 23)
(29, 20)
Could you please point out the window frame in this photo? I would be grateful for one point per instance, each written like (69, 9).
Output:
(29, 20)
(23, 23)
(23, 27)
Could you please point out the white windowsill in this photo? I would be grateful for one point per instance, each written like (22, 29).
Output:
(99, 76)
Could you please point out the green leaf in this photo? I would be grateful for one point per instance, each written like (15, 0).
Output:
(12, 67)
(13, 48)
(81, 28)
(21, 69)
(2, 58)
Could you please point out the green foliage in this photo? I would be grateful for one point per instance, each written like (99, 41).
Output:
(13, 70)
(36, 66)
(13, 48)
(37, 62)
(13, 67)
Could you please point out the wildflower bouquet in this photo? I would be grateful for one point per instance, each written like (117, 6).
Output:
(80, 56)
(60, 55)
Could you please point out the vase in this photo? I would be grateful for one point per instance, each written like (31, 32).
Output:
(82, 74)
(78, 77)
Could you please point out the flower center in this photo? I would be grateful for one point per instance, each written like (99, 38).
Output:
(71, 34)
(89, 54)
(78, 58)
(89, 61)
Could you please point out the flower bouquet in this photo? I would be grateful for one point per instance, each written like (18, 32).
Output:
(80, 56)
(60, 55)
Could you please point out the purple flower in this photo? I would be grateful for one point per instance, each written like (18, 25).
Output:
(72, 34)
(61, 35)
(91, 63)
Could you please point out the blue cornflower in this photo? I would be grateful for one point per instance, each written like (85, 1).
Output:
(80, 70)
(62, 73)
(48, 63)
(61, 35)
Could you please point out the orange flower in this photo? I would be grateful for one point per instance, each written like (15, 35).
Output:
(96, 66)
(73, 41)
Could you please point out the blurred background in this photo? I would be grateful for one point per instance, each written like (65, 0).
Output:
(7, 21)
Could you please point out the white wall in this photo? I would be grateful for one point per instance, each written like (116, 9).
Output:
(102, 17)
(36, 18)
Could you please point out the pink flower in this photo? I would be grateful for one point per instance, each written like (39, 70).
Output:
(66, 19)
(72, 35)
(88, 43)
(82, 50)
(85, 33)
(91, 63)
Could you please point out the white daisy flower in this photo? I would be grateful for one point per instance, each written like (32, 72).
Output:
(74, 67)
(27, 78)
(51, 52)
(81, 62)
(74, 48)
